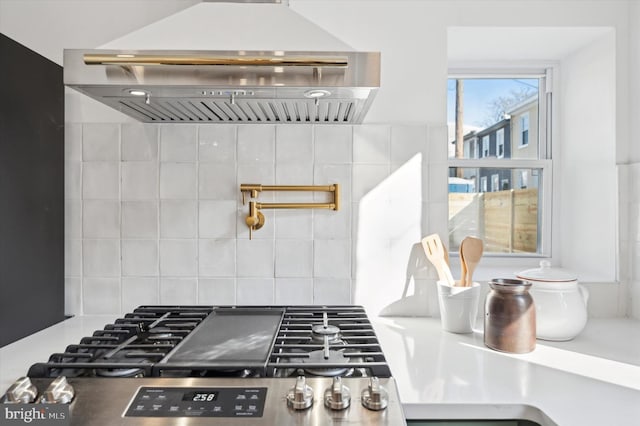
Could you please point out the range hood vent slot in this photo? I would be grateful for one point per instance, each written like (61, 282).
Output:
(242, 111)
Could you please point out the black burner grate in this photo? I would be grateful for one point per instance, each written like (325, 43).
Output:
(159, 341)
(327, 340)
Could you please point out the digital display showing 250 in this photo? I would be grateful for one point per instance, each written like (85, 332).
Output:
(200, 396)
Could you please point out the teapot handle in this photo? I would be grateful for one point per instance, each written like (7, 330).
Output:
(584, 293)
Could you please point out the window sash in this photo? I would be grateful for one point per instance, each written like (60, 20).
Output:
(546, 199)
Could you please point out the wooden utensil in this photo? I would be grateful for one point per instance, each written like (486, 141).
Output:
(435, 252)
(463, 268)
(471, 250)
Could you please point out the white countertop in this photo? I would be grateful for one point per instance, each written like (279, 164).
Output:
(592, 380)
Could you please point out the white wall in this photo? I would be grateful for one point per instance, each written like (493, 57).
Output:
(587, 96)
(412, 38)
(630, 174)
(49, 26)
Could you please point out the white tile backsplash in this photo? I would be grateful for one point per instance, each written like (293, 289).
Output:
(408, 141)
(139, 142)
(101, 258)
(73, 295)
(138, 291)
(217, 219)
(73, 142)
(254, 258)
(293, 224)
(294, 291)
(154, 212)
(332, 224)
(139, 180)
(73, 180)
(178, 291)
(372, 144)
(256, 144)
(178, 143)
(332, 258)
(368, 177)
(139, 258)
(331, 291)
(179, 258)
(333, 144)
(294, 258)
(72, 219)
(101, 296)
(217, 258)
(101, 142)
(217, 181)
(255, 291)
(101, 180)
(217, 144)
(72, 258)
(294, 145)
(140, 219)
(217, 291)
(178, 218)
(101, 219)
(178, 180)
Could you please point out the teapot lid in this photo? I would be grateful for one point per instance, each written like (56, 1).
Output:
(546, 273)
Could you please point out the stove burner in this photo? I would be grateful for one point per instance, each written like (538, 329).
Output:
(321, 331)
(320, 357)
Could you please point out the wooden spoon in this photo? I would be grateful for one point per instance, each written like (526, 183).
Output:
(435, 252)
(471, 250)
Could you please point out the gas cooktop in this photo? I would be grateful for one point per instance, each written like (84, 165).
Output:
(228, 341)
(231, 365)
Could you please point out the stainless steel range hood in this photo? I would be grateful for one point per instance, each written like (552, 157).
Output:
(263, 85)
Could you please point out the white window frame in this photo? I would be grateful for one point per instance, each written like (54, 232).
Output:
(500, 143)
(544, 162)
(486, 146)
(495, 182)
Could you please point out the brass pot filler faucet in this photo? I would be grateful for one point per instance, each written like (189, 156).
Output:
(255, 219)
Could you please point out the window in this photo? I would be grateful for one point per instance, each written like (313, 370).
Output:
(485, 146)
(500, 143)
(524, 129)
(506, 113)
(495, 182)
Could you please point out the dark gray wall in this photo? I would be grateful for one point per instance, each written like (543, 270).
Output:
(31, 192)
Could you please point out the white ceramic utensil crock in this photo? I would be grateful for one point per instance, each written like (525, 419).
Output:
(561, 303)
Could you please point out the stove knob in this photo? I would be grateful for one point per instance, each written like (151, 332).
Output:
(300, 396)
(337, 396)
(375, 397)
(58, 392)
(21, 391)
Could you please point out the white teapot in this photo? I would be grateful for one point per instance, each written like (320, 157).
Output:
(561, 303)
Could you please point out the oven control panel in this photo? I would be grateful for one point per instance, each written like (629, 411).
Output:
(197, 402)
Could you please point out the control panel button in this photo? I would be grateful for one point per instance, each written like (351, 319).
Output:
(21, 391)
(375, 397)
(58, 392)
(337, 396)
(300, 397)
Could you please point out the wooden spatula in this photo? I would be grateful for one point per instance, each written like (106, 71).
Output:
(436, 253)
(471, 249)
